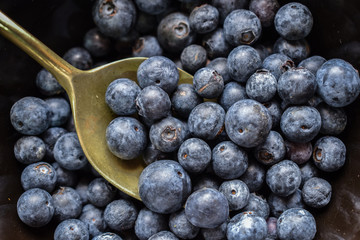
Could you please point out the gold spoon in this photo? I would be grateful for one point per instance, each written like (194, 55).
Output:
(86, 91)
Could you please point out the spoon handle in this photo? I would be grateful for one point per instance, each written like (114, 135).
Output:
(52, 62)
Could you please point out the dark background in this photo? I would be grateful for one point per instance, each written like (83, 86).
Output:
(61, 24)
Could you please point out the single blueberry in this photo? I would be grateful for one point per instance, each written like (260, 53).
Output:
(333, 119)
(71, 229)
(181, 227)
(204, 18)
(261, 86)
(264, 51)
(79, 58)
(272, 150)
(193, 57)
(208, 83)
(67, 203)
(39, 175)
(308, 170)
(194, 155)
(147, 46)
(227, 6)
(60, 111)
(184, 99)
(206, 181)
(220, 66)
(232, 93)
(265, 10)
(29, 149)
(296, 50)
(236, 192)
(329, 153)
(153, 7)
(47, 83)
(217, 233)
(148, 223)
(215, 44)
(97, 43)
(316, 192)
(254, 176)
(246, 226)
(100, 192)
(151, 154)
(64, 177)
(258, 205)
(277, 64)
(120, 215)
(279, 204)
(275, 112)
(94, 218)
(312, 63)
(50, 136)
(299, 153)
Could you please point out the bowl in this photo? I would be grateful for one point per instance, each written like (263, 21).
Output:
(61, 24)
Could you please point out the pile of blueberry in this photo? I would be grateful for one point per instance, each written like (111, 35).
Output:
(242, 153)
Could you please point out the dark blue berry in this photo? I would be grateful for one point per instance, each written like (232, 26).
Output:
(208, 83)
(50, 136)
(148, 223)
(147, 46)
(299, 153)
(277, 64)
(120, 215)
(246, 226)
(271, 226)
(100, 192)
(153, 7)
(107, 236)
(71, 229)
(204, 18)
(261, 86)
(236, 192)
(258, 205)
(184, 99)
(181, 227)
(265, 10)
(308, 170)
(220, 66)
(47, 83)
(296, 50)
(280, 204)
(272, 150)
(151, 154)
(316, 192)
(39, 175)
(232, 93)
(193, 57)
(275, 112)
(312, 63)
(254, 176)
(81, 187)
(333, 120)
(59, 110)
(97, 43)
(215, 44)
(226, 6)
(206, 181)
(67, 203)
(163, 235)
(29, 149)
(329, 154)
(79, 58)
(194, 155)
(217, 233)
(94, 218)
(64, 177)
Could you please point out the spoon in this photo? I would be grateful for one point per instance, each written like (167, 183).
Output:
(86, 91)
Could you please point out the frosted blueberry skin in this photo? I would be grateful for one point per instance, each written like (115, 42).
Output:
(215, 44)
(79, 58)
(242, 62)
(60, 111)
(258, 205)
(242, 27)
(219, 65)
(71, 229)
(184, 99)
(312, 63)
(236, 192)
(293, 21)
(64, 177)
(107, 236)
(193, 57)
(329, 154)
(226, 6)
(30, 116)
(217, 233)
(246, 226)
(296, 223)
(300, 123)
(164, 186)
(228, 160)
(147, 46)
(181, 227)
(148, 223)
(39, 175)
(153, 7)
(120, 215)
(316, 192)
(333, 120)
(206, 120)
(279, 204)
(97, 43)
(277, 64)
(261, 86)
(232, 93)
(68, 152)
(174, 32)
(275, 112)
(35, 207)
(94, 218)
(272, 150)
(100, 192)
(247, 123)
(338, 83)
(47, 83)
(204, 18)
(208, 83)
(153, 103)
(67, 203)
(207, 208)
(120, 96)
(284, 178)
(126, 137)
(50, 136)
(254, 176)
(163, 235)
(265, 10)
(308, 170)
(114, 18)
(297, 50)
(29, 149)
(159, 71)
(194, 155)
(299, 153)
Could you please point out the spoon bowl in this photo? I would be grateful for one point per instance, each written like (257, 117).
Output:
(86, 91)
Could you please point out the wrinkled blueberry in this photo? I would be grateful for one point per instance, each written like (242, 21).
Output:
(277, 64)
(193, 57)
(329, 154)
(208, 83)
(298, 152)
(147, 46)
(204, 18)
(220, 66)
(236, 192)
(181, 227)
(107, 236)
(316, 192)
(271, 226)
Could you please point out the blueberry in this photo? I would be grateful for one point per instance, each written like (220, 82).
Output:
(280, 204)
(297, 50)
(263, 51)
(258, 205)
(174, 32)
(217, 233)
(308, 170)
(163, 235)
(39, 175)
(220, 66)
(265, 10)
(242, 62)
(207, 208)
(97, 43)
(254, 176)
(236, 192)
(277, 64)
(208, 83)
(271, 226)
(204, 18)
(59, 110)
(47, 83)
(193, 57)
(226, 6)
(299, 153)
(71, 229)
(50, 136)
(67, 203)
(242, 26)
(153, 103)
(120, 215)
(215, 44)
(232, 93)
(333, 120)
(316, 192)
(79, 58)
(246, 226)
(228, 160)
(300, 123)
(275, 112)
(329, 153)
(312, 63)
(159, 71)
(81, 187)
(181, 227)
(147, 46)
(148, 223)
(206, 120)
(120, 96)
(272, 150)
(338, 83)
(114, 18)
(100, 192)
(68, 152)
(297, 224)
(184, 99)
(30, 116)
(194, 155)
(126, 137)
(29, 149)
(206, 181)
(247, 123)
(293, 21)
(94, 218)
(107, 236)
(64, 177)
(283, 178)
(151, 154)
(163, 186)
(35, 207)
(261, 86)
(153, 7)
